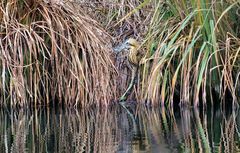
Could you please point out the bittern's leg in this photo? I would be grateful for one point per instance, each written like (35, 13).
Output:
(131, 85)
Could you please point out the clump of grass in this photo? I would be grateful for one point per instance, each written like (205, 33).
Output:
(53, 52)
(189, 59)
(191, 47)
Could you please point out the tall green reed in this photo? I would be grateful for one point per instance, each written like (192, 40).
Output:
(189, 57)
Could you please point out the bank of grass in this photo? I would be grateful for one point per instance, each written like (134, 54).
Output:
(53, 52)
(56, 51)
(192, 47)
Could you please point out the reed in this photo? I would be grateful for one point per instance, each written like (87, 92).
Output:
(190, 53)
(53, 52)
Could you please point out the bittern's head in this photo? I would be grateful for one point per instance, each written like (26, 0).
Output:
(129, 44)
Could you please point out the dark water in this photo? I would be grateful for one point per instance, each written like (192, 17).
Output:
(138, 129)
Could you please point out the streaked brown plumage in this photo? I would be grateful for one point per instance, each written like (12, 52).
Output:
(134, 56)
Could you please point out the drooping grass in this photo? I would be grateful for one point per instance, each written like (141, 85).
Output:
(53, 52)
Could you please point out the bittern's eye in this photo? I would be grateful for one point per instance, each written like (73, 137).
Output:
(129, 44)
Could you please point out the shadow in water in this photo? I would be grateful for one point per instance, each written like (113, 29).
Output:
(115, 130)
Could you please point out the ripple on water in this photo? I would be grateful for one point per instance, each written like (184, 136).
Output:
(117, 129)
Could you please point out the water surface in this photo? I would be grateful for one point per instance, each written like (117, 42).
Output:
(137, 129)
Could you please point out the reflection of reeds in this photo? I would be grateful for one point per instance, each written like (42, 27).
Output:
(186, 129)
(193, 134)
(228, 135)
(52, 50)
(201, 132)
(114, 129)
(20, 133)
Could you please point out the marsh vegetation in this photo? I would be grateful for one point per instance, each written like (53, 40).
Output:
(59, 55)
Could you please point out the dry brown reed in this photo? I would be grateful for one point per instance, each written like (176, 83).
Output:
(53, 52)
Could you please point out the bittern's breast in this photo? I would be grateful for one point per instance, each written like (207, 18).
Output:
(134, 57)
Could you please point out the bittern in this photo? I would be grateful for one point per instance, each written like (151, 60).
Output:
(134, 56)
